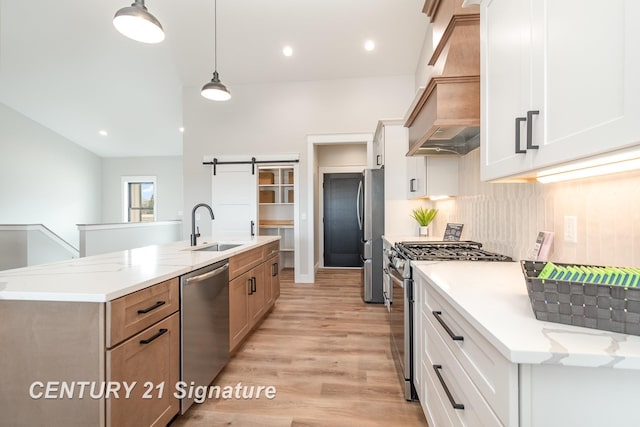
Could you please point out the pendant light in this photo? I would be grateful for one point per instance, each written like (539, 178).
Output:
(138, 24)
(214, 89)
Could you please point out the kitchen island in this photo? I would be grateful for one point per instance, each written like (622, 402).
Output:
(483, 359)
(85, 340)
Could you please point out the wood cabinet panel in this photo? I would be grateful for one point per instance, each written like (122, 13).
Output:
(244, 261)
(239, 289)
(134, 312)
(151, 359)
(252, 293)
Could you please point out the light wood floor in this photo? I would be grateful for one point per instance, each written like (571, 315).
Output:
(326, 352)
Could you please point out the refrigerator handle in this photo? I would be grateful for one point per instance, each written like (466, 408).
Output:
(358, 205)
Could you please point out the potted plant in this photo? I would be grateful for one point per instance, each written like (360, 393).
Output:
(424, 217)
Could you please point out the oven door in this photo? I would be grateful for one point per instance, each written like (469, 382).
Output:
(401, 324)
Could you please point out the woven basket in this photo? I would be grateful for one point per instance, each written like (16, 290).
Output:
(606, 307)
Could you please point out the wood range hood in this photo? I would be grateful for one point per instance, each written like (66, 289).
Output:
(445, 118)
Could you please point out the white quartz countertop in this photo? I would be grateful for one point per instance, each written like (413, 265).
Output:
(493, 298)
(102, 278)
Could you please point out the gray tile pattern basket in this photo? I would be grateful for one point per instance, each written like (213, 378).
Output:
(606, 307)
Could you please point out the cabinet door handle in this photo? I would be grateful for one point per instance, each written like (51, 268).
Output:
(454, 337)
(253, 285)
(518, 121)
(252, 229)
(455, 405)
(160, 332)
(411, 186)
(530, 115)
(274, 269)
(250, 283)
(378, 160)
(153, 307)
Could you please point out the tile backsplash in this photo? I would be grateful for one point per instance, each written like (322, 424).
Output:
(506, 218)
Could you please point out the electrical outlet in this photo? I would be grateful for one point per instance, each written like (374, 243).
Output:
(571, 229)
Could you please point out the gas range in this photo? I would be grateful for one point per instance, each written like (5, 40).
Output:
(398, 293)
(447, 251)
(399, 256)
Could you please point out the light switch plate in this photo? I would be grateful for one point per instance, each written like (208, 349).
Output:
(571, 229)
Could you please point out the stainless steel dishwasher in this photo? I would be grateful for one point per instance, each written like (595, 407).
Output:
(204, 315)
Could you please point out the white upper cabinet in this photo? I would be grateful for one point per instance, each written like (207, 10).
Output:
(559, 82)
(432, 176)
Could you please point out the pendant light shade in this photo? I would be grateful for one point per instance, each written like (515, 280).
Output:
(214, 89)
(138, 24)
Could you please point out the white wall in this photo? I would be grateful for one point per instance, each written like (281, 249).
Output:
(168, 173)
(276, 118)
(45, 178)
(507, 217)
(342, 155)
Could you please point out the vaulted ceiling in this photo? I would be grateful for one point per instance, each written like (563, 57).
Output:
(64, 65)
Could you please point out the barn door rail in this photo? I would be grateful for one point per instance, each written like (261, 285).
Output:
(253, 162)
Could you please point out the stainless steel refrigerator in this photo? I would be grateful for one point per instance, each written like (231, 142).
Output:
(370, 209)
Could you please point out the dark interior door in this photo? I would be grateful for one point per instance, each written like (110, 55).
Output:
(341, 232)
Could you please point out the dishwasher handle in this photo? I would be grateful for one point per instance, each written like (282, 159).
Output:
(206, 276)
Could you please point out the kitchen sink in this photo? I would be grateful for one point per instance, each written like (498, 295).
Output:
(219, 247)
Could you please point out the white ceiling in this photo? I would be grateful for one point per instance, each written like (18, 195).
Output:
(64, 65)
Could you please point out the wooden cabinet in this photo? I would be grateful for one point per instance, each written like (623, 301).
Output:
(151, 360)
(239, 289)
(273, 278)
(556, 83)
(133, 339)
(277, 187)
(134, 312)
(149, 322)
(252, 291)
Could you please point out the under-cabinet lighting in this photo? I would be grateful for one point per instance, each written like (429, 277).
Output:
(614, 163)
(443, 197)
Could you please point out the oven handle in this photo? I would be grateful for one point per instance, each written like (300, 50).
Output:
(446, 327)
(394, 275)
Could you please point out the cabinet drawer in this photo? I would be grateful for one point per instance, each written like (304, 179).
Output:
(492, 374)
(271, 249)
(151, 359)
(477, 411)
(244, 261)
(132, 313)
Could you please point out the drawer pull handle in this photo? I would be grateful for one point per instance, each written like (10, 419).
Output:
(446, 389)
(253, 285)
(518, 121)
(148, 340)
(530, 115)
(454, 337)
(153, 307)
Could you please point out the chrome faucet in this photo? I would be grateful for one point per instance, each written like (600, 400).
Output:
(194, 235)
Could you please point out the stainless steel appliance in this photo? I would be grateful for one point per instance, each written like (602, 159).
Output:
(399, 293)
(370, 211)
(204, 315)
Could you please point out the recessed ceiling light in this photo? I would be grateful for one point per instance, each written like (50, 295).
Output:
(103, 132)
(287, 51)
(369, 45)
(181, 129)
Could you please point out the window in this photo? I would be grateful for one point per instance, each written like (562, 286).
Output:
(139, 199)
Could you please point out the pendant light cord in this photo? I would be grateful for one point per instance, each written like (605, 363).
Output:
(215, 35)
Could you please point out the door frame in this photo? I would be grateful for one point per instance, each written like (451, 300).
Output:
(312, 177)
(321, 172)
